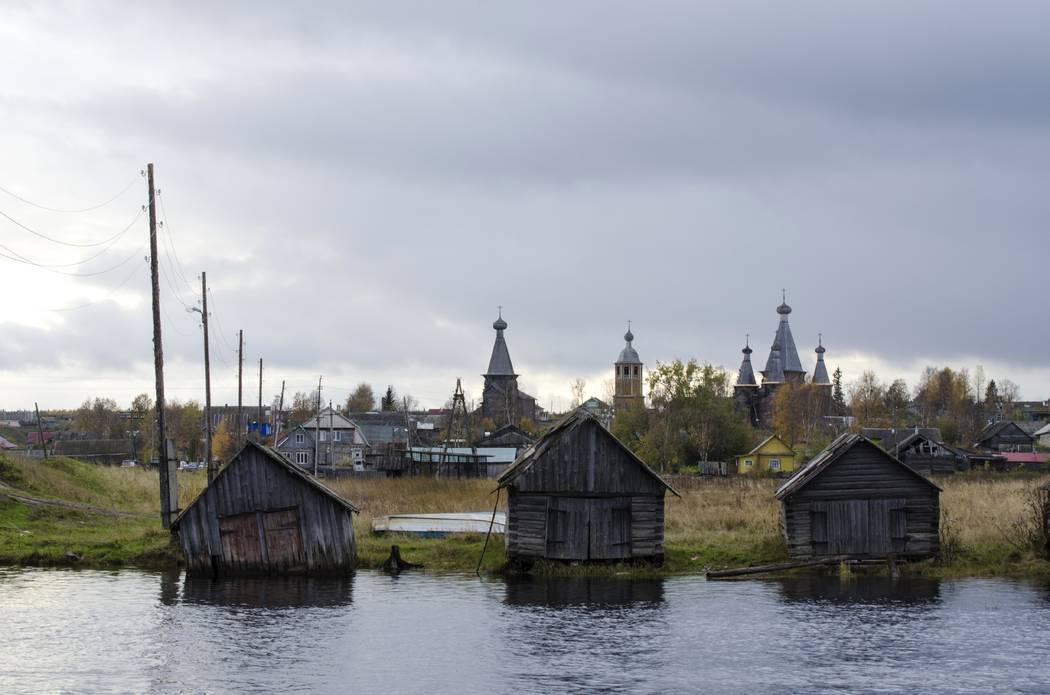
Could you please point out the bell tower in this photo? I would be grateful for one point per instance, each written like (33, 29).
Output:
(627, 372)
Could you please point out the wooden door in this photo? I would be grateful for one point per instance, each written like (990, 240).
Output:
(863, 527)
(567, 536)
(241, 543)
(609, 528)
(284, 539)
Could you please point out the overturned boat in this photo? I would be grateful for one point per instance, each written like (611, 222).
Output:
(438, 525)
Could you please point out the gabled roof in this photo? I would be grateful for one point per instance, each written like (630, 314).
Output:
(829, 455)
(997, 428)
(337, 419)
(567, 424)
(278, 460)
(1044, 430)
(766, 441)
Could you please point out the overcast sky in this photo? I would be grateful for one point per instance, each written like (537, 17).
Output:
(365, 182)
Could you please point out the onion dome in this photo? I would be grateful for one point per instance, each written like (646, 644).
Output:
(628, 355)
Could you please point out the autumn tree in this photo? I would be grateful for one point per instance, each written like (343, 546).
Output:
(99, 418)
(895, 403)
(579, 390)
(867, 397)
(223, 443)
(304, 406)
(362, 400)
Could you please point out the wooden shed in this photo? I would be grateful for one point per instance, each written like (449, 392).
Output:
(579, 494)
(857, 501)
(263, 514)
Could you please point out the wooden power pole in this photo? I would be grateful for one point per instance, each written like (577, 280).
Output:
(277, 416)
(40, 430)
(212, 468)
(259, 419)
(317, 425)
(168, 483)
(240, 386)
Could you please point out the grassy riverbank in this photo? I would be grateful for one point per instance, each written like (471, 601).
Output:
(109, 517)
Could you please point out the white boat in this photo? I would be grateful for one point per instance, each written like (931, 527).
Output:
(434, 525)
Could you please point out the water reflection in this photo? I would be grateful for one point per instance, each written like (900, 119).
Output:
(269, 592)
(581, 591)
(859, 590)
(553, 626)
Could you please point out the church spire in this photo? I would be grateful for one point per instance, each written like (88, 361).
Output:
(499, 363)
(628, 355)
(746, 375)
(820, 372)
(783, 363)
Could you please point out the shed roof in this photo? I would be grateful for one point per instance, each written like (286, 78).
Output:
(566, 425)
(1045, 429)
(829, 455)
(278, 460)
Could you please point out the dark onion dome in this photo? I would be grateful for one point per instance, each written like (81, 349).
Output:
(628, 355)
(820, 372)
(499, 362)
(746, 375)
(784, 309)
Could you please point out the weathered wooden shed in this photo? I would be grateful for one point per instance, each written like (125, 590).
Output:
(857, 501)
(263, 514)
(579, 494)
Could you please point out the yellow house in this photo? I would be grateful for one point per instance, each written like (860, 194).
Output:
(772, 455)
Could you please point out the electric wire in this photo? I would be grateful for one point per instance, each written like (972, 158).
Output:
(108, 296)
(71, 243)
(63, 272)
(112, 241)
(62, 210)
(171, 239)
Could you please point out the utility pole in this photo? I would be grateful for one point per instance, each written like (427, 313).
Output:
(331, 436)
(240, 385)
(277, 417)
(40, 430)
(259, 420)
(317, 425)
(168, 482)
(212, 468)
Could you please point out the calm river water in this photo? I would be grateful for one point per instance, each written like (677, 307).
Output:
(132, 631)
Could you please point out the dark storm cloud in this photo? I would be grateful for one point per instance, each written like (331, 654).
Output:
(367, 182)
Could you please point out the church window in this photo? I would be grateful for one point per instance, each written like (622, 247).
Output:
(636, 370)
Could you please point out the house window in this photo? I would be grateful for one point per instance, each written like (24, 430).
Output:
(300, 437)
(748, 463)
(356, 454)
(324, 435)
(774, 464)
(302, 457)
(337, 436)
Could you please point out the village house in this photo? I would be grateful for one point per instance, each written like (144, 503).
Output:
(1005, 436)
(856, 501)
(772, 455)
(579, 494)
(263, 514)
(336, 439)
(920, 448)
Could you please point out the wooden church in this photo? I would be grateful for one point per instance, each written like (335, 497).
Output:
(579, 494)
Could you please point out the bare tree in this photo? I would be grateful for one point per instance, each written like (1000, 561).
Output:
(579, 389)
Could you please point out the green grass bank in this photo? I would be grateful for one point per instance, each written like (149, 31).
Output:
(108, 517)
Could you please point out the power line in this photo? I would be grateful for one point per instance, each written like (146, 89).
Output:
(108, 296)
(71, 243)
(171, 239)
(62, 272)
(88, 209)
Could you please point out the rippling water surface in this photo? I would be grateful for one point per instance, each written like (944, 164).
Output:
(131, 631)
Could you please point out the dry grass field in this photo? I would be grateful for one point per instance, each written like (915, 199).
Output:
(988, 520)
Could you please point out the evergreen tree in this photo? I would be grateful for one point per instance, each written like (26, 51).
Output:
(388, 403)
(991, 396)
(838, 397)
